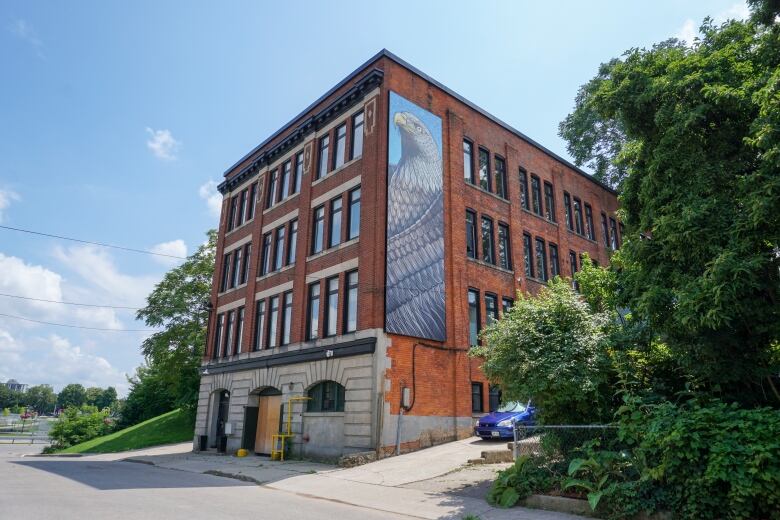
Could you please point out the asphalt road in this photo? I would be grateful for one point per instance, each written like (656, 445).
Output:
(78, 488)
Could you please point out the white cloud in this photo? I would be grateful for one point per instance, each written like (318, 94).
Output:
(24, 31)
(690, 29)
(174, 248)
(54, 360)
(162, 144)
(6, 198)
(213, 198)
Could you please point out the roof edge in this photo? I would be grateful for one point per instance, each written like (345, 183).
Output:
(438, 84)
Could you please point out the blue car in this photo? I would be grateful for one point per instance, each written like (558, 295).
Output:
(499, 424)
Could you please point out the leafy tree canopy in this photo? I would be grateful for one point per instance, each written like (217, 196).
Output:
(691, 136)
(72, 395)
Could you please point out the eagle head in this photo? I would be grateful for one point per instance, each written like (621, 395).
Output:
(415, 136)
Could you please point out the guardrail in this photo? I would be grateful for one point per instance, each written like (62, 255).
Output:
(25, 440)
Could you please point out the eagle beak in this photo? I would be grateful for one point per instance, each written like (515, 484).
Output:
(399, 119)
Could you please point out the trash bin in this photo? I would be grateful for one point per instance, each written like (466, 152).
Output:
(222, 444)
(203, 442)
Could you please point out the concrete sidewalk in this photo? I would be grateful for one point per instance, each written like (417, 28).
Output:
(432, 483)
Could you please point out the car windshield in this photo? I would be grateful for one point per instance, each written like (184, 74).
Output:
(511, 407)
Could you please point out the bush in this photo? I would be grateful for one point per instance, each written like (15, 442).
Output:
(74, 427)
(528, 475)
(712, 460)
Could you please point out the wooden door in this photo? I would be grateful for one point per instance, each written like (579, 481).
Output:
(269, 407)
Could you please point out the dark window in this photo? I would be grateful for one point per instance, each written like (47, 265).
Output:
(501, 190)
(250, 207)
(622, 229)
(613, 233)
(259, 324)
(334, 232)
(323, 166)
(232, 216)
(474, 321)
(239, 331)
(555, 266)
(313, 321)
(476, 398)
(536, 194)
(273, 320)
(286, 317)
(272, 185)
(468, 162)
(604, 229)
(327, 396)
(241, 207)
(494, 398)
(524, 189)
(484, 170)
(223, 284)
(231, 320)
(331, 306)
(353, 218)
(292, 243)
(236, 269)
(504, 247)
(247, 260)
(491, 308)
(471, 234)
(541, 259)
(279, 248)
(572, 263)
(488, 251)
(589, 229)
(579, 227)
(298, 172)
(567, 210)
(284, 191)
(506, 305)
(357, 136)
(350, 305)
(528, 256)
(340, 151)
(265, 263)
(318, 230)
(218, 336)
(549, 202)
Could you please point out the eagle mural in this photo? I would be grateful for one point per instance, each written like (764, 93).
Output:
(414, 295)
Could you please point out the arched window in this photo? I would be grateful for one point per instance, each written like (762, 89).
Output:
(327, 396)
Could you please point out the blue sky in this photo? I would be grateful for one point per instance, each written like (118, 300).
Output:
(117, 118)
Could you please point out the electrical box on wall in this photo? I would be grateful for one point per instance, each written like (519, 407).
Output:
(406, 397)
(228, 428)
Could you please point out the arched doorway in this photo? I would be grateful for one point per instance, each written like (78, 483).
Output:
(220, 404)
(262, 419)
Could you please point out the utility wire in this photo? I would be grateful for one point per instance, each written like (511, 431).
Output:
(76, 326)
(92, 243)
(69, 303)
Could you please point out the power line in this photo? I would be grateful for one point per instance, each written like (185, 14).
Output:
(76, 326)
(132, 250)
(69, 303)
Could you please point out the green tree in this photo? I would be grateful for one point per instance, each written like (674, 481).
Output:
(72, 395)
(93, 393)
(9, 398)
(41, 398)
(106, 399)
(551, 348)
(179, 306)
(149, 397)
(698, 149)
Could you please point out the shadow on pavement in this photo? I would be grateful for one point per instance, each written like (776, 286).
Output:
(109, 475)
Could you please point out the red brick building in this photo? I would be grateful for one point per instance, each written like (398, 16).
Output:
(361, 248)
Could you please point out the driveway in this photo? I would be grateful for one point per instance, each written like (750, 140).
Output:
(59, 488)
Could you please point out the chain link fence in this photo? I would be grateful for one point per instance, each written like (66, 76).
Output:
(560, 442)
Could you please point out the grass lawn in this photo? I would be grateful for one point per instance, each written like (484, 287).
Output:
(168, 428)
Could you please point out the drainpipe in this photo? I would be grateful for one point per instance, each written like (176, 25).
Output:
(398, 432)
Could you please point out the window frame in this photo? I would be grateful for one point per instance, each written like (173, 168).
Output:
(537, 206)
(528, 255)
(270, 196)
(549, 201)
(540, 249)
(284, 181)
(470, 175)
(318, 230)
(504, 246)
(579, 223)
(486, 182)
(502, 189)
(335, 221)
(478, 405)
(491, 309)
(272, 336)
(357, 129)
(340, 142)
(477, 323)
(589, 229)
(292, 242)
(471, 234)
(280, 239)
(555, 264)
(350, 298)
(286, 318)
(312, 311)
(489, 249)
(316, 404)
(353, 209)
(259, 336)
(331, 311)
(323, 156)
(568, 211)
(525, 201)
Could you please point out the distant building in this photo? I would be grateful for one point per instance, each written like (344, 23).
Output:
(13, 384)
